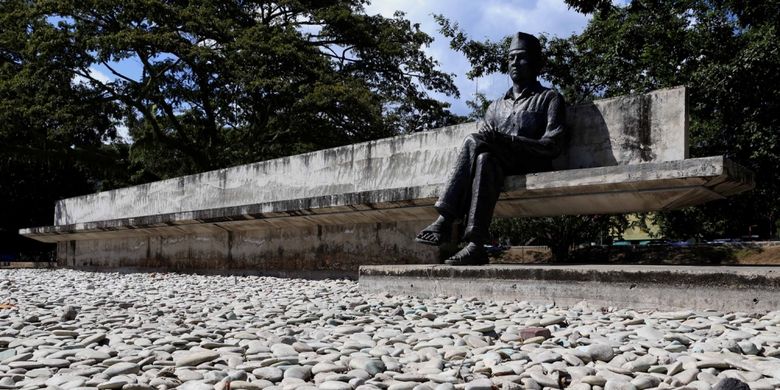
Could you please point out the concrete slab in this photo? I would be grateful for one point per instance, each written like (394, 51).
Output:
(603, 190)
(336, 250)
(722, 288)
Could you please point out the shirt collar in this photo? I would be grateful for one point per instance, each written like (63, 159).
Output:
(532, 89)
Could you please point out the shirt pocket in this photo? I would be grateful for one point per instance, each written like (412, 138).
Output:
(531, 124)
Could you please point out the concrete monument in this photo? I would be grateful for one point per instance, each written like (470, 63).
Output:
(331, 211)
(522, 132)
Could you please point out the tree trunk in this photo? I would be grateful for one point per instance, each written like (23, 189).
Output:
(560, 252)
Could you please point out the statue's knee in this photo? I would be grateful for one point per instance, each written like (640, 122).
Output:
(485, 157)
(474, 143)
(473, 138)
(488, 162)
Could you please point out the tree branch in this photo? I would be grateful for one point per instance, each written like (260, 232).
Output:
(117, 74)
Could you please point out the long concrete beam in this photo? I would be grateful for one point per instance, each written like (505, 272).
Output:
(602, 190)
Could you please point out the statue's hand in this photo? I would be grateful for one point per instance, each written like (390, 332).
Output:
(491, 135)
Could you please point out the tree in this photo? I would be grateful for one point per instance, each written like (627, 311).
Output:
(52, 129)
(478, 106)
(225, 83)
(219, 83)
(561, 233)
(727, 53)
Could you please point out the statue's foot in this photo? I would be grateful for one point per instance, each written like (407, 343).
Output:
(436, 234)
(471, 254)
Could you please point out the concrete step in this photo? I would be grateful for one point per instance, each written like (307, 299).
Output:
(752, 289)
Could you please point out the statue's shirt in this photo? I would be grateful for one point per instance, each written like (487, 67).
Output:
(534, 120)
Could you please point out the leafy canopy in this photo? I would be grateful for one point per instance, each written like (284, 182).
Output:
(218, 83)
(52, 129)
(225, 83)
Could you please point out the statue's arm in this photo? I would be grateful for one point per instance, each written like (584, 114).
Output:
(489, 124)
(551, 143)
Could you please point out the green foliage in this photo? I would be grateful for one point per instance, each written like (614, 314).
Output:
(478, 106)
(226, 83)
(51, 129)
(727, 53)
(561, 233)
(590, 6)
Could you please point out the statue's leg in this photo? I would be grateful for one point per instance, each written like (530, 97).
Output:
(486, 187)
(454, 199)
(453, 202)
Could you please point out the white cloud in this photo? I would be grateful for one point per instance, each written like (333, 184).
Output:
(124, 133)
(99, 76)
(95, 74)
(491, 19)
(546, 16)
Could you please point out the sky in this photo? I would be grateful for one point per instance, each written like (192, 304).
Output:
(492, 19)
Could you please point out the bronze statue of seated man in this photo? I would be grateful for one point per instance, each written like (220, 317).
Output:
(521, 132)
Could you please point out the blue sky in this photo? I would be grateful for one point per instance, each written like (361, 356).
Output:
(491, 19)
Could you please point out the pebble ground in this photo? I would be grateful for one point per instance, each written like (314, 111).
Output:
(65, 329)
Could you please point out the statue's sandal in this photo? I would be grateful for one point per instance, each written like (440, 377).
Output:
(471, 254)
(431, 236)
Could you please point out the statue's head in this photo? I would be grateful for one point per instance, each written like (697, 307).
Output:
(525, 58)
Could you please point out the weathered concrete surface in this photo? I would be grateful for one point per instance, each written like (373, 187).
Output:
(627, 130)
(746, 289)
(338, 249)
(618, 131)
(614, 189)
(362, 204)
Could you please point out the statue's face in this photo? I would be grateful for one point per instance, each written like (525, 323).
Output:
(521, 68)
